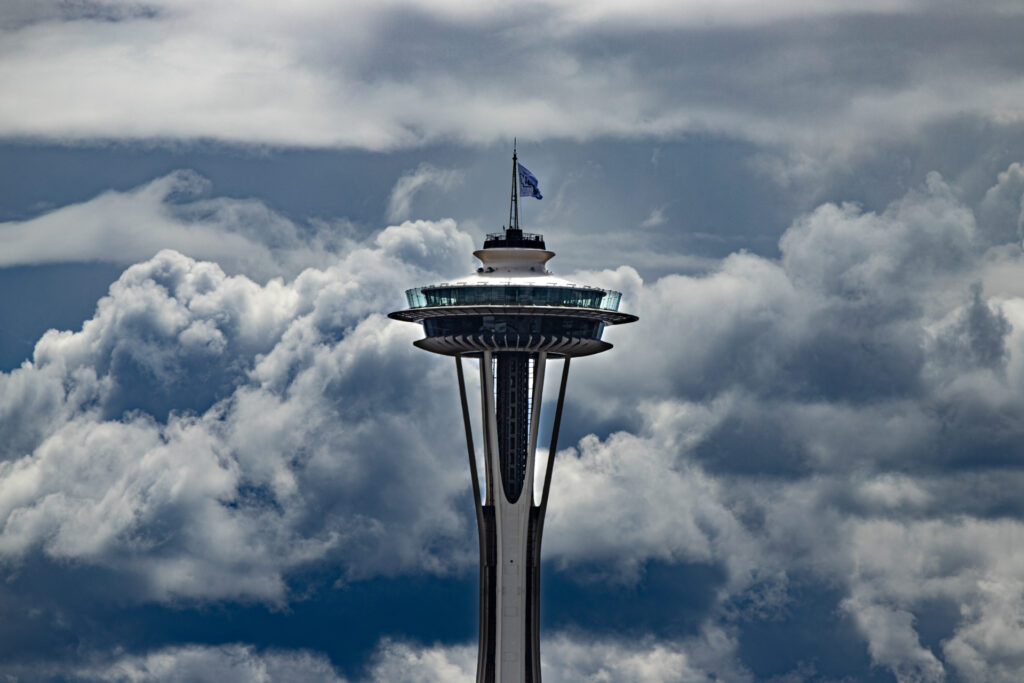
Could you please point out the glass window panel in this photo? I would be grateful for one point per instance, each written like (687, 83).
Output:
(478, 295)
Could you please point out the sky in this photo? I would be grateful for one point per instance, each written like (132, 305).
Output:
(220, 460)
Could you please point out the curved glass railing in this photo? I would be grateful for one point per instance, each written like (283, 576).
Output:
(505, 295)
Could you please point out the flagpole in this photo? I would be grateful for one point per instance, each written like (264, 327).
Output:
(515, 187)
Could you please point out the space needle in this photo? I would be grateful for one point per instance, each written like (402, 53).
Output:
(513, 316)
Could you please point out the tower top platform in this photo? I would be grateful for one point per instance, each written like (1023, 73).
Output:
(513, 304)
(516, 280)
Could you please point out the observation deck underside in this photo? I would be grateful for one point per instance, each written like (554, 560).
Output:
(472, 345)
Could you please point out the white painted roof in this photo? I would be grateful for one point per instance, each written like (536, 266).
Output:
(513, 266)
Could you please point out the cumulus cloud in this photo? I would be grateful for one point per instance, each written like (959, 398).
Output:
(797, 73)
(847, 415)
(629, 499)
(229, 663)
(896, 566)
(204, 434)
(709, 656)
(1001, 213)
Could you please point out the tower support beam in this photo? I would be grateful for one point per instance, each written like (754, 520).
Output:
(509, 531)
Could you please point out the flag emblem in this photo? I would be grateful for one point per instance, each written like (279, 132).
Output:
(528, 184)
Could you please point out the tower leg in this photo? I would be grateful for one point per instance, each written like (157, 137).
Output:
(487, 542)
(536, 534)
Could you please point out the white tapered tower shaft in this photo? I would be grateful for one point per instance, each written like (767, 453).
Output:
(510, 526)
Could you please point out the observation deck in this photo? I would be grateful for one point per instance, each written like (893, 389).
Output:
(513, 303)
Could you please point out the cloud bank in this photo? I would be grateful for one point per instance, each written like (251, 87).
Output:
(172, 212)
(847, 415)
(374, 75)
(568, 659)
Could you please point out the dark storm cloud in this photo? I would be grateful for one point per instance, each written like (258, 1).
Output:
(395, 75)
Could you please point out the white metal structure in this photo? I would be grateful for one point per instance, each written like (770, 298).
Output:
(513, 315)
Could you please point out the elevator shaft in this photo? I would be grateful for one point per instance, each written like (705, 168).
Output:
(512, 396)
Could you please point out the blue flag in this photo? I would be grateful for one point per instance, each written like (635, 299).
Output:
(528, 184)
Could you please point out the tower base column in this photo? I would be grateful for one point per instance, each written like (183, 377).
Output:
(510, 538)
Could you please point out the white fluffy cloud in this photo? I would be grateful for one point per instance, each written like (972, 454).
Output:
(204, 434)
(242, 235)
(630, 499)
(850, 412)
(708, 656)
(567, 659)
(227, 664)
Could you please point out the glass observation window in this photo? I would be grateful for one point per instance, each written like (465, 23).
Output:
(503, 295)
